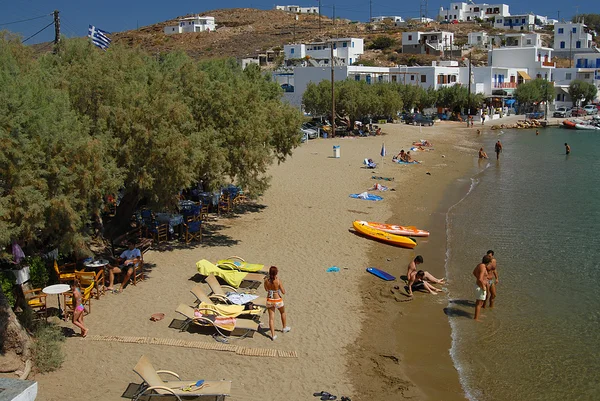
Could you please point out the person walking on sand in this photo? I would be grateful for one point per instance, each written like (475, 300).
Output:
(482, 154)
(567, 148)
(498, 149)
(412, 268)
(275, 289)
(493, 279)
(416, 281)
(78, 308)
(480, 273)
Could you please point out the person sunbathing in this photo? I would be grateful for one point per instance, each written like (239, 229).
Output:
(482, 154)
(416, 282)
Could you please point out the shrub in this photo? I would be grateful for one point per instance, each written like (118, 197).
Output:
(47, 348)
(7, 282)
(38, 272)
(382, 42)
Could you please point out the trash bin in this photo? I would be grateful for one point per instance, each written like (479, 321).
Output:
(336, 151)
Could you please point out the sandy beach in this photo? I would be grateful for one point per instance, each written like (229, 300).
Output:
(354, 335)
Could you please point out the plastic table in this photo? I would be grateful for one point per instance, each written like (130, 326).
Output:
(57, 289)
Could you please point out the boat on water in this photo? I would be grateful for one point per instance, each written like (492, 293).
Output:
(572, 122)
(392, 239)
(409, 231)
(587, 127)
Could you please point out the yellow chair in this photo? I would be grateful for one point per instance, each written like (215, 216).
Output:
(65, 273)
(96, 279)
(36, 300)
(86, 300)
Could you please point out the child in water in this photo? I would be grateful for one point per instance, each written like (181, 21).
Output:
(78, 308)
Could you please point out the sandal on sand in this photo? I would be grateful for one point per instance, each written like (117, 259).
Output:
(329, 397)
(321, 394)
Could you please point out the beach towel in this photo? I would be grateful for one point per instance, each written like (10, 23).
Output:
(225, 323)
(229, 310)
(374, 177)
(233, 277)
(403, 162)
(242, 266)
(378, 187)
(366, 196)
(240, 298)
(415, 149)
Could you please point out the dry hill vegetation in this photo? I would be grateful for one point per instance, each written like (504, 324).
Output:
(246, 32)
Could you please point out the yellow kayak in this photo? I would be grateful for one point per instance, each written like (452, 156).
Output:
(393, 239)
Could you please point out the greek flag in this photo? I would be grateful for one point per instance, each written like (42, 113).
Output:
(99, 37)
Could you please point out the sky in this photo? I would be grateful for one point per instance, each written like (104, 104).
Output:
(122, 15)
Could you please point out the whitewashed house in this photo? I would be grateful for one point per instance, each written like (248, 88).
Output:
(427, 42)
(298, 9)
(586, 68)
(393, 18)
(192, 24)
(346, 51)
(525, 22)
(478, 39)
(531, 39)
(571, 36)
(462, 12)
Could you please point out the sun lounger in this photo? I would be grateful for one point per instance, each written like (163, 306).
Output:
(153, 386)
(220, 291)
(232, 277)
(237, 263)
(222, 324)
(223, 305)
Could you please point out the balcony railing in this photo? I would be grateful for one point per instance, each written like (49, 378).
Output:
(505, 85)
(548, 64)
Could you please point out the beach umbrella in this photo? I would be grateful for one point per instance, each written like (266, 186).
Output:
(382, 151)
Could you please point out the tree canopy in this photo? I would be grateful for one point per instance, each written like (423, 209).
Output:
(79, 126)
(535, 91)
(591, 20)
(581, 91)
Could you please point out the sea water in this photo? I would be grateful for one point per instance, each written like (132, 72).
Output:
(539, 210)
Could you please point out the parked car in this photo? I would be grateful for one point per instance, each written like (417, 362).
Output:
(418, 119)
(310, 133)
(578, 112)
(287, 87)
(562, 112)
(590, 109)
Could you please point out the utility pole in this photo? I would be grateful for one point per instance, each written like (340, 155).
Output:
(332, 94)
(319, 17)
(570, 47)
(333, 20)
(295, 21)
(56, 31)
(469, 94)
(558, 18)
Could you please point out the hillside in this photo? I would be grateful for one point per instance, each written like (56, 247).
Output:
(246, 32)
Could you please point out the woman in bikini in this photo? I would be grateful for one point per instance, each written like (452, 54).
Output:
(274, 289)
(78, 308)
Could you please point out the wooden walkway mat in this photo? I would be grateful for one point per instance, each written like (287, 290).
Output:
(239, 350)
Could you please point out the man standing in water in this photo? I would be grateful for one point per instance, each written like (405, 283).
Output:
(480, 273)
(492, 277)
(567, 148)
(498, 149)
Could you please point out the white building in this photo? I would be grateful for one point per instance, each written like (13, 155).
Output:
(519, 40)
(427, 42)
(524, 22)
(586, 68)
(298, 9)
(192, 24)
(393, 18)
(478, 39)
(571, 35)
(468, 12)
(345, 51)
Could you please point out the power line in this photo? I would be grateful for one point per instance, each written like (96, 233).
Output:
(52, 23)
(25, 20)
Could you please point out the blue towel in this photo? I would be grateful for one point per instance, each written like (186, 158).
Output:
(370, 197)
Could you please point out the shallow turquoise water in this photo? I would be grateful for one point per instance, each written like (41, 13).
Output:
(539, 210)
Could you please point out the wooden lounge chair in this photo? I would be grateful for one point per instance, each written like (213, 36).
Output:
(209, 318)
(220, 292)
(239, 264)
(232, 277)
(154, 386)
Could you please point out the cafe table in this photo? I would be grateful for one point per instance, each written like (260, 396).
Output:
(57, 289)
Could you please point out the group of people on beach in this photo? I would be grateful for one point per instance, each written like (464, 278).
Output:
(486, 275)
(421, 279)
(403, 156)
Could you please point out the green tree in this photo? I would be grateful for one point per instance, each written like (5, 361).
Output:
(535, 91)
(427, 98)
(409, 94)
(382, 43)
(591, 20)
(581, 91)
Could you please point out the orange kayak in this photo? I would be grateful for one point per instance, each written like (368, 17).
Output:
(410, 231)
(393, 239)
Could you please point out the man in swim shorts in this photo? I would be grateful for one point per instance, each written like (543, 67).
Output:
(567, 148)
(498, 149)
(492, 277)
(480, 273)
